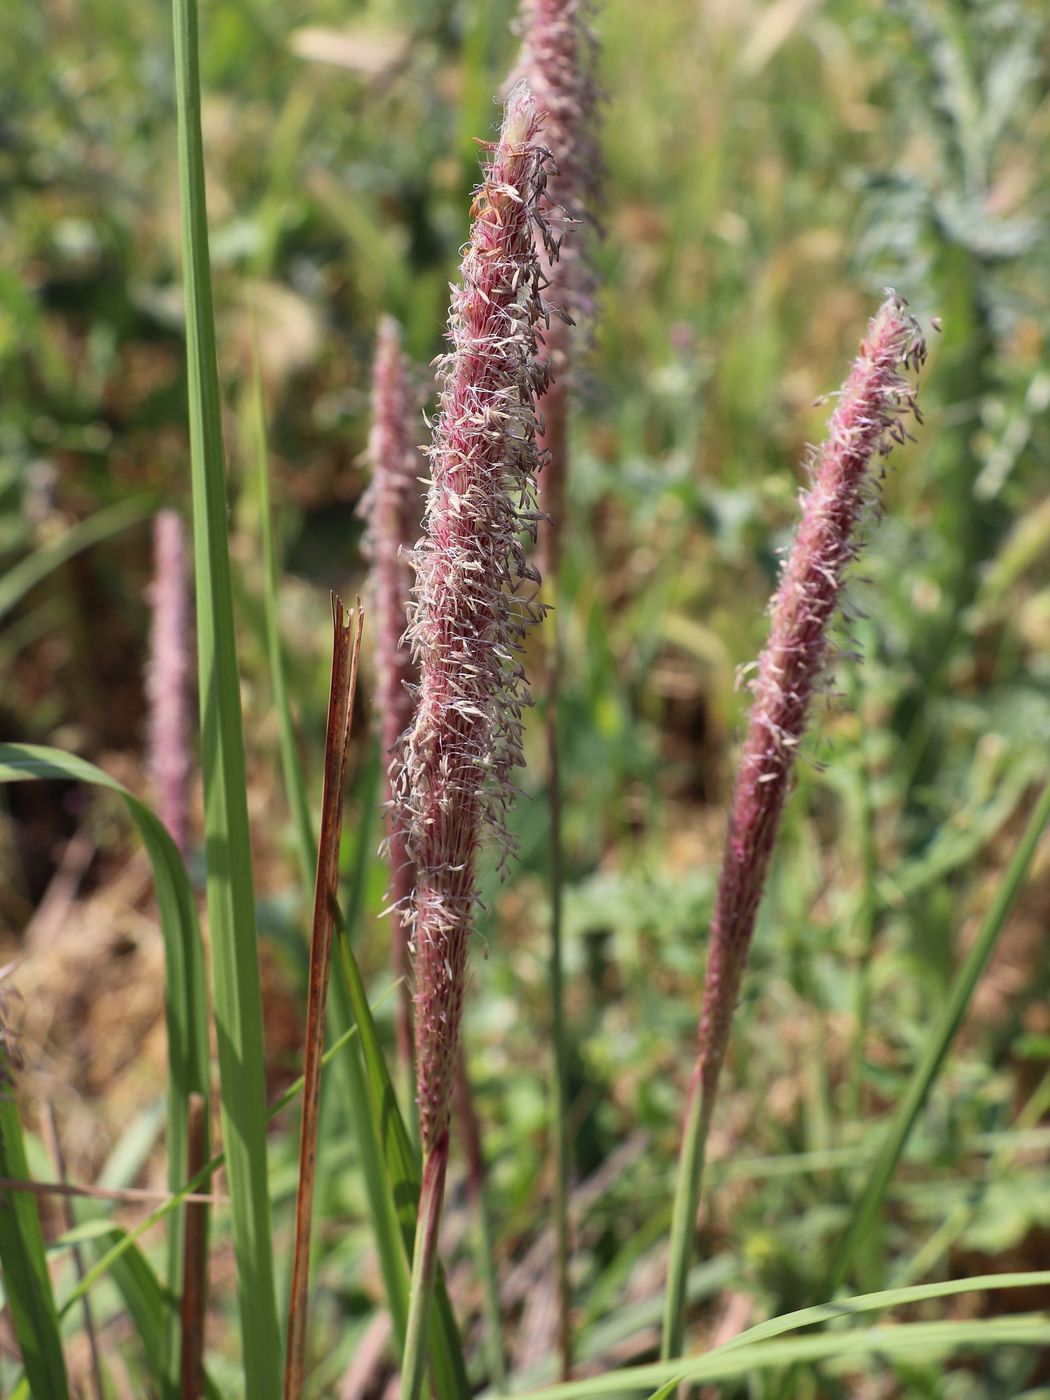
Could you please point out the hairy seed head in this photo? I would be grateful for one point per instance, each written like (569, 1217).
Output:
(474, 596)
(864, 426)
(558, 60)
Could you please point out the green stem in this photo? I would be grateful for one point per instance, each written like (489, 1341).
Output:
(683, 1218)
(424, 1266)
(556, 979)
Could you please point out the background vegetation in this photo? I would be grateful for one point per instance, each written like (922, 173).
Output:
(770, 167)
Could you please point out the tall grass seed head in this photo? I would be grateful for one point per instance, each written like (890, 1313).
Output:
(475, 591)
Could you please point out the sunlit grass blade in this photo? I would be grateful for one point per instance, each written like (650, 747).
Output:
(346, 653)
(27, 1284)
(923, 1077)
(227, 839)
(927, 1339)
(185, 996)
(885, 1298)
(35, 567)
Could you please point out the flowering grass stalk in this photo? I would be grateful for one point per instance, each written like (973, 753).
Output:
(863, 428)
(558, 61)
(471, 610)
(391, 507)
(167, 679)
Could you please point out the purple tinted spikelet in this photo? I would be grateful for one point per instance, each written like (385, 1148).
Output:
(863, 428)
(167, 679)
(470, 612)
(558, 61)
(391, 507)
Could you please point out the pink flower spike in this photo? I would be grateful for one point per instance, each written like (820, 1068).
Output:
(863, 428)
(558, 60)
(167, 679)
(392, 507)
(470, 612)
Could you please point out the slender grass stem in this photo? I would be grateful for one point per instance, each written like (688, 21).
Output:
(683, 1218)
(424, 1265)
(346, 649)
(559, 1106)
(477, 1187)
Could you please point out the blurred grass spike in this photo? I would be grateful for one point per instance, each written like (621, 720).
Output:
(867, 421)
(167, 678)
(391, 507)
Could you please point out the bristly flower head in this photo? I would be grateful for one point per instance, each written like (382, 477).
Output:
(558, 60)
(867, 421)
(471, 610)
(391, 507)
(865, 424)
(167, 679)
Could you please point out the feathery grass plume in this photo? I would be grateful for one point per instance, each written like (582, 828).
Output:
(391, 507)
(864, 426)
(558, 60)
(167, 679)
(474, 601)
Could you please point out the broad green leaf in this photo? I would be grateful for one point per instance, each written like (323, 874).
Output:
(185, 997)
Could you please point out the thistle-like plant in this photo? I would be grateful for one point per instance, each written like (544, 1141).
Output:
(864, 426)
(391, 507)
(474, 600)
(167, 679)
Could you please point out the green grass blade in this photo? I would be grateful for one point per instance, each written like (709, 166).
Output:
(291, 766)
(884, 1342)
(35, 567)
(231, 902)
(26, 1280)
(185, 996)
(885, 1298)
(925, 1073)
